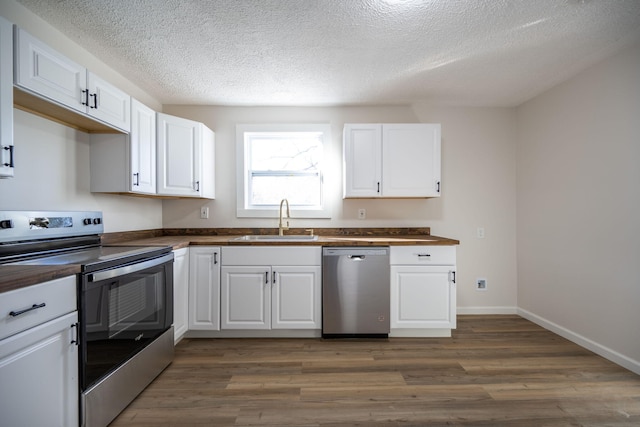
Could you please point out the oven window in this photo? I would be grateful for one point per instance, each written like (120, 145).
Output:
(121, 316)
(136, 304)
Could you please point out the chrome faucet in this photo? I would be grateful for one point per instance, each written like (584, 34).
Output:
(281, 227)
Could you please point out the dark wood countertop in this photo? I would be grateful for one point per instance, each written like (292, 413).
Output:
(19, 276)
(14, 277)
(177, 242)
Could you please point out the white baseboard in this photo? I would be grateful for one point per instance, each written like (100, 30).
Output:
(607, 353)
(487, 310)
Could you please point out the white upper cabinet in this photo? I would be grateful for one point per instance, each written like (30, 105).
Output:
(143, 148)
(47, 73)
(391, 160)
(108, 103)
(126, 163)
(6, 99)
(362, 160)
(185, 158)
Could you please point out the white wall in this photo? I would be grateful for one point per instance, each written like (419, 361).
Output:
(578, 208)
(478, 184)
(52, 173)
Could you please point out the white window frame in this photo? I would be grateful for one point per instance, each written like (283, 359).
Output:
(243, 210)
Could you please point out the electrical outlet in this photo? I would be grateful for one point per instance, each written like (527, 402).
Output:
(204, 212)
(481, 284)
(362, 213)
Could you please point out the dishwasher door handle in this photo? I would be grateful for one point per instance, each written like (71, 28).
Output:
(357, 257)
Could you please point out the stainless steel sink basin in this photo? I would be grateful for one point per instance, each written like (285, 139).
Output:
(275, 238)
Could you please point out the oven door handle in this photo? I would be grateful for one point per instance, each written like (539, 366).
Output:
(128, 269)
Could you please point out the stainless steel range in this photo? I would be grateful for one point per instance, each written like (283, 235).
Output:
(125, 301)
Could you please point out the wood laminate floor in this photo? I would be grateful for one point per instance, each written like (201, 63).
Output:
(493, 371)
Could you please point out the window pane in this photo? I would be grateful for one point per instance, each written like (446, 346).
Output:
(298, 190)
(295, 151)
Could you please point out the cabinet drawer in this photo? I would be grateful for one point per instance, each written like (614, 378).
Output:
(272, 255)
(58, 297)
(422, 255)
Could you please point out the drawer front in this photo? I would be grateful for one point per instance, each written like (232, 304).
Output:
(423, 255)
(58, 297)
(271, 255)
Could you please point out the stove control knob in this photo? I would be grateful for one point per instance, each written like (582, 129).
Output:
(6, 223)
(86, 221)
(97, 221)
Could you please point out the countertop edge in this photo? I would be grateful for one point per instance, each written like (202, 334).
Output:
(16, 277)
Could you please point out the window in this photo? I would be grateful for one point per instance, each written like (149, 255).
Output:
(278, 162)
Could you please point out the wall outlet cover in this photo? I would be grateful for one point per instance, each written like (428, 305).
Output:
(481, 284)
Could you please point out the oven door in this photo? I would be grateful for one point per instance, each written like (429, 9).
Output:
(122, 310)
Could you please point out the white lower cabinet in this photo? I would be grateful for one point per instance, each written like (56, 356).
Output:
(204, 288)
(423, 287)
(39, 364)
(258, 293)
(180, 293)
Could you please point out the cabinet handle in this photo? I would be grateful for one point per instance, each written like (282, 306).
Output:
(77, 339)
(274, 277)
(95, 101)
(215, 258)
(453, 276)
(136, 180)
(378, 186)
(438, 183)
(19, 312)
(86, 96)
(424, 255)
(266, 277)
(9, 148)
(197, 185)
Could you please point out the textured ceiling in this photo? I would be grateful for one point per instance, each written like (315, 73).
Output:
(346, 52)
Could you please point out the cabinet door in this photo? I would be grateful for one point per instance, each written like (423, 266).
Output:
(362, 160)
(296, 298)
(143, 148)
(423, 297)
(39, 375)
(46, 72)
(180, 293)
(108, 103)
(411, 160)
(204, 288)
(6, 99)
(179, 156)
(246, 297)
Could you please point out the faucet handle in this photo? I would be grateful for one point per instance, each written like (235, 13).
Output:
(309, 230)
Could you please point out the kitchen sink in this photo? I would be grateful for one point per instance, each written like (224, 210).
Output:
(275, 238)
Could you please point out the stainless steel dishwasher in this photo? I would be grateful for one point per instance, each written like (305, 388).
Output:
(355, 292)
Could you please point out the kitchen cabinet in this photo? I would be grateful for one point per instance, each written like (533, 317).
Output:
(391, 160)
(43, 71)
(204, 288)
(180, 293)
(6, 99)
(423, 287)
(126, 163)
(185, 158)
(39, 355)
(271, 288)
